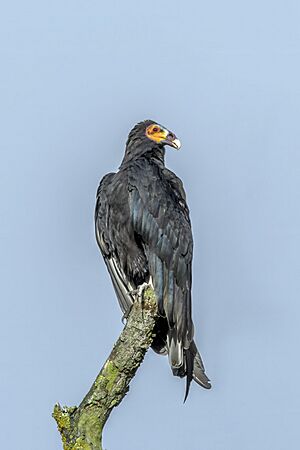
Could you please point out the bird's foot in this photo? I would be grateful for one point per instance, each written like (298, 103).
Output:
(139, 292)
(139, 296)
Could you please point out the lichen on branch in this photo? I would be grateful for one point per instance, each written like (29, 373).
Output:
(81, 427)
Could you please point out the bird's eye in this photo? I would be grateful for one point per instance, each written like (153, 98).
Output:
(155, 129)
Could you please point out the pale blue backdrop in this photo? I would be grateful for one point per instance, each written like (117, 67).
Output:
(224, 76)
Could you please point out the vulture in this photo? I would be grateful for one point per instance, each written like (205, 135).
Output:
(143, 230)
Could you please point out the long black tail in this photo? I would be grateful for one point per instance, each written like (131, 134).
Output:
(184, 362)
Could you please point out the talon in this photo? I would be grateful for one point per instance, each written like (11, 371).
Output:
(141, 289)
(133, 292)
(139, 292)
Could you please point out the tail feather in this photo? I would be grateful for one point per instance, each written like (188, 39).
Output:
(199, 374)
(175, 350)
(189, 365)
(185, 361)
(192, 366)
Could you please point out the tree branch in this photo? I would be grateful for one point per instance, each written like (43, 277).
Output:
(81, 427)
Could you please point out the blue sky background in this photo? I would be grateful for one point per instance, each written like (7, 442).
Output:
(224, 76)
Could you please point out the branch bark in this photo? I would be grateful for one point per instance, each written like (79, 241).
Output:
(81, 427)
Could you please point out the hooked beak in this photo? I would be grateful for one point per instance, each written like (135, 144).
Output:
(172, 140)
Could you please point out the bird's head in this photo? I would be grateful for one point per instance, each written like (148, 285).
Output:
(162, 135)
(155, 133)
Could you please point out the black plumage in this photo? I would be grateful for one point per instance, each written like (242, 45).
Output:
(144, 233)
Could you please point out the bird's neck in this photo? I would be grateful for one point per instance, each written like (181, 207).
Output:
(136, 150)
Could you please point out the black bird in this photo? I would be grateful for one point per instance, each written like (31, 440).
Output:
(144, 233)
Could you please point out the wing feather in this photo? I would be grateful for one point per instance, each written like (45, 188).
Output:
(105, 226)
(161, 218)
